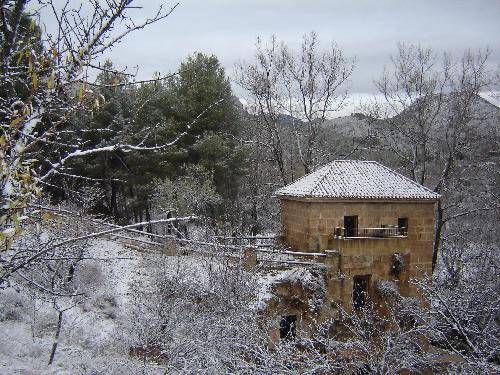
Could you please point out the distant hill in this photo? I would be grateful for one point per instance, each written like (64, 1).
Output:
(486, 119)
(485, 116)
(356, 125)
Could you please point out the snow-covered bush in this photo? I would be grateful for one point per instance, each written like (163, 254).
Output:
(191, 194)
(105, 304)
(388, 289)
(90, 279)
(195, 314)
(465, 310)
(43, 321)
(89, 276)
(13, 304)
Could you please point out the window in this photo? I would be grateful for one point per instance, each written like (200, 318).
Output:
(360, 291)
(288, 327)
(403, 226)
(350, 226)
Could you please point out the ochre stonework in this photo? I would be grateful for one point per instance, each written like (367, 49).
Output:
(308, 225)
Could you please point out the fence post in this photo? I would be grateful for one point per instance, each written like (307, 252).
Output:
(249, 258)
(170, 247)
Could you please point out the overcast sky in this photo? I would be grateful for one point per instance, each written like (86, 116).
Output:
(366, 29)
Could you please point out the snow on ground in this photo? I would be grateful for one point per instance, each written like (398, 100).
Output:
(92, 339)
(95, 337)
(265, 283)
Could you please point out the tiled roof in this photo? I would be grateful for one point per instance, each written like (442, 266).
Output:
(355, 179)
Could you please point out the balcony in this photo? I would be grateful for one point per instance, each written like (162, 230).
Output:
(387, 232)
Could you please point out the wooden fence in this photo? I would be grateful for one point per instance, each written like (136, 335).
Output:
(253, 251)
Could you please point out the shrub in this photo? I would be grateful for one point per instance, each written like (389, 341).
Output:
(12, 305)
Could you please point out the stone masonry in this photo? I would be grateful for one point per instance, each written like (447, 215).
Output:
(309, 225)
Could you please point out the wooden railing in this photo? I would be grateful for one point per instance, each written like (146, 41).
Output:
(388, 232)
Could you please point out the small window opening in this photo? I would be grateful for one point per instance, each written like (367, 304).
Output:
(360, 291)
(403, 226)
(350, 226)
(288, 327)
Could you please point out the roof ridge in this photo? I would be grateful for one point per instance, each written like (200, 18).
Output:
(329, 165)
(303, 177)
(353, 160)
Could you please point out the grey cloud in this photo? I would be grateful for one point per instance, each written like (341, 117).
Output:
(367, 29)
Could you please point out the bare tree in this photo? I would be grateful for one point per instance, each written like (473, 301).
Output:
(430, 119)
(465, 134)
(464, 309)
(302, 87)
(52, 278)
(196, 313)
(414, 93)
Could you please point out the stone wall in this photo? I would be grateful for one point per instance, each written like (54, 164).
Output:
(295, 223)
(309, 226)
(374, 257)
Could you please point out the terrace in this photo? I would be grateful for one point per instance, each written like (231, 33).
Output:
(384, 232)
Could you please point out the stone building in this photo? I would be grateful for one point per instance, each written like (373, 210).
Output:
(370, 222)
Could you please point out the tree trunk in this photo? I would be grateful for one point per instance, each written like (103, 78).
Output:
(139, 213)
(149, 227)
(437, 234)
(114, 205)
(56, 338)
(278, 157)
(254, 230)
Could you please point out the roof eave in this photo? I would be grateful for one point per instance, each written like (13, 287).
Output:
(355, 199)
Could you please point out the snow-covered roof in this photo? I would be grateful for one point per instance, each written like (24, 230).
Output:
(356, 179)
(492, 97)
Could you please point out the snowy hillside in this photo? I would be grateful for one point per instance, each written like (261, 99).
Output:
(95, 334)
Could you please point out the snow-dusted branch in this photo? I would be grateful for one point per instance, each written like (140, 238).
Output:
(47, 248)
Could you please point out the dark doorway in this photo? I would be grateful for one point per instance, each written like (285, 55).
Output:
(360, 291)
(350, 226)
(403, 226)
(288, 328)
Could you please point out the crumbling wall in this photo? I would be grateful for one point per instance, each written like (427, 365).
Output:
(298, 291)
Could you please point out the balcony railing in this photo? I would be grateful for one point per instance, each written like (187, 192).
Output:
(389, 232)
